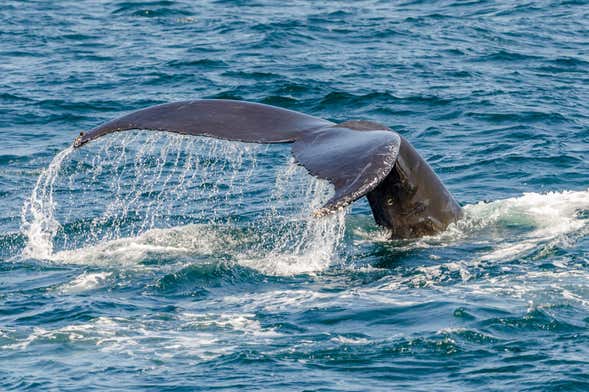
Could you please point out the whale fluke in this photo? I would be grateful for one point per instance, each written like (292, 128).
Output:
(354, 162)
(219, 118)
(360, 158)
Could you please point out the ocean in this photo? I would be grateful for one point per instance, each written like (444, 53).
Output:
(152, 261)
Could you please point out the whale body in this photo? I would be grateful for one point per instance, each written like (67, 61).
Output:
(360, 158)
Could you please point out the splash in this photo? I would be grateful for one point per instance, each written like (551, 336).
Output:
(138, 196)
(280, 243)
(551, 218)
(38, 221)
(165, 196)
(309, 244)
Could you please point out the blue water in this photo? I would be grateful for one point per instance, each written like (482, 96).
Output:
(159, 262)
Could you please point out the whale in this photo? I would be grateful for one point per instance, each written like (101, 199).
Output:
(359, 158)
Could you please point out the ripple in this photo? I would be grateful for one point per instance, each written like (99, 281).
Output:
(202, 63)
(150, 9)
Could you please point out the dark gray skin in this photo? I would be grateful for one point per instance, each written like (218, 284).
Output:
(412, 201)
(360, 158)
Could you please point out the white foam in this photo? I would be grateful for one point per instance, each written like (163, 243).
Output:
(195, 336)
(244, 323)
(345, 340)
(552, 217)
(189, 240)
(282, 301)
(86, 281)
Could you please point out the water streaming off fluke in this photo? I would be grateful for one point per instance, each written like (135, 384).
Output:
(156, 195)
(38, 213)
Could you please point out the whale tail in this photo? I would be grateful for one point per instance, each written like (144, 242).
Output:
(358, 157)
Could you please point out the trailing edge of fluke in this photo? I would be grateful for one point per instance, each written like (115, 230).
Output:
(360, 158)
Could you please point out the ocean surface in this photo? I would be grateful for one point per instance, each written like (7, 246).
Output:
(148, 261)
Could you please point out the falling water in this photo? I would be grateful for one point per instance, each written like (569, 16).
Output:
(38, 221)
(301, 242)
(197, 190)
